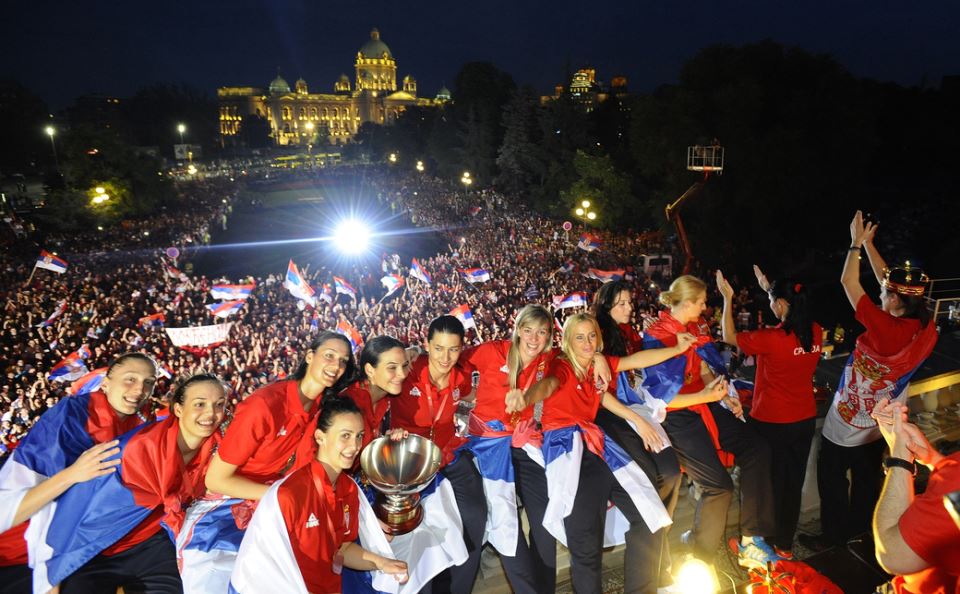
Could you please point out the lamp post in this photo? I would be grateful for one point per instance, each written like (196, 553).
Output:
(181, 129)
(309, 126)
(466, 180)
(583, 211)
(100, 195)
(420, 167)
(51, 131)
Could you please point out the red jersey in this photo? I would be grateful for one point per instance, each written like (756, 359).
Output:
(490, 359)
(783, 388)
(373, 414)
(929, 531)
(886, 334)
(575, 401)
(423, 409)
(631, 338)
(263, 436)
(319, 520)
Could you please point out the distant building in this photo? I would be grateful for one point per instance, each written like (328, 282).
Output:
(585, 90)
(101, 112)
(299, 117)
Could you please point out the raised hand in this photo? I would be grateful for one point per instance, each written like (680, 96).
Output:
(724, 287)
(761, 278)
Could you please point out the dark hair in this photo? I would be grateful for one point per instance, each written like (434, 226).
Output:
(375, 347)
(132, 356)
(603, 301)
(915, 307)
(179, 393)
(349, 373)
(447, 325)
(333, 406)
(798, 316)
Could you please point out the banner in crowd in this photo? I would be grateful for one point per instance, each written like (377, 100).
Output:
(417, 271)
(49, 261)
(462, 312)
(576, 299)
(604, 276)
(298, 286)
(232, 292)
(589, 242)
(475, 275)
(199, 335)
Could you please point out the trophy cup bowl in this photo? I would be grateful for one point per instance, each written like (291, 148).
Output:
(399, 470)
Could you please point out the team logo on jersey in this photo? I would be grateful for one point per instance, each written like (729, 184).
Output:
(282, 432)
(312, 521)
(415, 392)
(505, 368)
(456, 393)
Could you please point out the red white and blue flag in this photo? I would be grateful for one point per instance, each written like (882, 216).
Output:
(88, 383)
(225, 309)
(172, 272)
(567, 267)
(392, 283)
(61, 307)
(51, 262)
(575, 299)
(326, 293)
(604, 276)
(152, 321)
(589, 242)
(226, 292)
(71, 367)
(417, 271)
(344, 288)
(475, 275)
(353, 335)
(462, 312)
(298, 286)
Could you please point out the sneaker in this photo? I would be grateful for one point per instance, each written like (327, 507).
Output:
(757, 554)
(783, 553)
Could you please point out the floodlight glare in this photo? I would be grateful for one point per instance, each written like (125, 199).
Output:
(351, 237)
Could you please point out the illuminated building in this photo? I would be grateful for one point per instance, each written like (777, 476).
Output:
(298, 117)
(585, 90)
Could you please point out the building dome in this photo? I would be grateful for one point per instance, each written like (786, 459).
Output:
(375, 48)
(279, 86)
(443, 94)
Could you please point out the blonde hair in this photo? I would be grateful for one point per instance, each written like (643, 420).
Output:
(530, 315)
(684, 288)
(567, 345)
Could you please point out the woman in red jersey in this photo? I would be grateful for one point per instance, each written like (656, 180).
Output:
(783, 410)
(383, 366)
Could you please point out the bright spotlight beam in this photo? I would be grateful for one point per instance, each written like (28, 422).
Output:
(351, 237)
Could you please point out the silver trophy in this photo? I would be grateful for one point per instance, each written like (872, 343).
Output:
(399, 470)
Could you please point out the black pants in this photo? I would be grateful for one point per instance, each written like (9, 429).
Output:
(16, 579)
(789, 451)
(699, 458)
(663, 470)
(846, 510)
(468, 490)
(584, 529)
(148, 568)
(534, 568)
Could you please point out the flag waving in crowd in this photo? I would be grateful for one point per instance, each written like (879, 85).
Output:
(589, 242)
(344, 288)
(51, 262)
(417, 271)
(604, 276)
(152, 321)
(463, 313)
(225, 309)
(88, 383)
(353, 335)
(393, 283)
(61, 307)
(227, 292)
(575, 299)
(475, 275)
(298, 286)
(72, 367)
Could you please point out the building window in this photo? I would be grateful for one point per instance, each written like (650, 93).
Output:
(286, 113)
(313, 113)
(336, 112)
(303, 113)
(324, 112)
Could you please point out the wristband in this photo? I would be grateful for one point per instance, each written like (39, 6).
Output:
(855, 248)
(893, 462)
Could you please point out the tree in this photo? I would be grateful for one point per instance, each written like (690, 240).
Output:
(603, 185)
(255, 131)
(522, 163)
(154, 112)
(23, 116)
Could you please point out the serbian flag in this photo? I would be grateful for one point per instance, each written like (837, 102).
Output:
(353, 335)
(604, 276)
(61, 307)
(164, 371)
(567, 267)
(88, 383)
(225, 309)
(226, 292)
(463, 313)
(392, 283)
(475, 275)
(93, 515)
(417, 271)
(51, 262)
(152, 321)
(71, 367)
(172, 272)
(344, 288)
(298, 286)
(664, 380)
(326, 293)
(575, 299)
(589, 242)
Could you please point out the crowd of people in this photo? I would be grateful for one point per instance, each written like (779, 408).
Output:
(282, 372)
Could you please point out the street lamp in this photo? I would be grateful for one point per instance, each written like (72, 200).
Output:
(579, 212)
(591, 215)
(181, 129)
(100, 195)
(51, 131)
(392, 157)
(309, 126)
(420, 166)
(585, 204)
(466, 179)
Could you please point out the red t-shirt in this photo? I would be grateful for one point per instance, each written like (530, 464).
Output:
(886, 334)
(318, 520)
(783, 390)
(631, 338)
(422, 409)
(265, 431)
(574, 401)
(372, 413)
(929, 531)
(490, 359)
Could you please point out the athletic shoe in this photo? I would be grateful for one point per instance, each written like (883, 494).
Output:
(757, 554)
(785, 554)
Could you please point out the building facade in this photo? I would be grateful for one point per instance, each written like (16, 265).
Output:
(298, 117)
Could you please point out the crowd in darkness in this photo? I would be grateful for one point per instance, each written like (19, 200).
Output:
(117, 276)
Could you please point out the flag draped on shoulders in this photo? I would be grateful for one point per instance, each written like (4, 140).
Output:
(665, 380)
(88, 383)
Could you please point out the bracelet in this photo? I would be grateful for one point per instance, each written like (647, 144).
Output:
(894, 462)
(854, 248)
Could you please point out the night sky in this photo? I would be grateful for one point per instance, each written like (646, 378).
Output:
(61, 49)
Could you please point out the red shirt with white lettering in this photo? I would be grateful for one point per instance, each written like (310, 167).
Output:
(575, 401)
(490, 359)
(319, 519)
(423, 409)
(783, 389)
(263, 436)
(373, 413)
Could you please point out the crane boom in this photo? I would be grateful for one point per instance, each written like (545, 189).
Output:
(672, 212)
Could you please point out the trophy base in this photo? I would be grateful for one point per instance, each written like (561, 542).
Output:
(398, 520)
